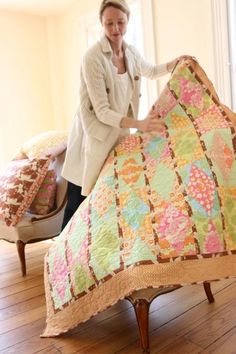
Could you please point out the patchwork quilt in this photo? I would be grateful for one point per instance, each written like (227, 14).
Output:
(162, 212)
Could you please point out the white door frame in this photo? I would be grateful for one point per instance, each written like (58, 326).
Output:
(232, 48)
(221, 51)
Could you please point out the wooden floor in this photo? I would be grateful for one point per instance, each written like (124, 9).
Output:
(180, 322)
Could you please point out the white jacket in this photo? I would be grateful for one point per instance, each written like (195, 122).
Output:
(96, 126)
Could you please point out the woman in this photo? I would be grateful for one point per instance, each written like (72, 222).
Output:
(109, 101)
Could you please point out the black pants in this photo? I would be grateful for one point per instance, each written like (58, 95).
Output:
(74, 199)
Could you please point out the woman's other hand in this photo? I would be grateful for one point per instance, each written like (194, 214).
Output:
(151, 123)
(172, 64)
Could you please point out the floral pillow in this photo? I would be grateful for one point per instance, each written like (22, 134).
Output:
(44, 200)
(19, 184)
(52, 142)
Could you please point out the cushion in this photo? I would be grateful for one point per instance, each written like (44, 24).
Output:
(51, 143)
(19, 155)
(45, 198)
(19, 184)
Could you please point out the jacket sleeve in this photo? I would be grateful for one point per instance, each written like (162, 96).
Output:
(146, 69)
(94, 76)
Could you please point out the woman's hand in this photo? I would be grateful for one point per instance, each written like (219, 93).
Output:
(151, 123)
(172, 64)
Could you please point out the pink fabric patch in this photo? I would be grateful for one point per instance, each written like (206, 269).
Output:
(45, 198)
(222, 155)
(191, 93)
(201, 188)
(165, 102)
(211, 119)
(212, 242)
(174, 227)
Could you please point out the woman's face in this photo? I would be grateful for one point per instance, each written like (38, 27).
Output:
(114, 22)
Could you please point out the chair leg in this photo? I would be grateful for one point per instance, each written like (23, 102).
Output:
(141, 308)
(207, 288)
(20, 245)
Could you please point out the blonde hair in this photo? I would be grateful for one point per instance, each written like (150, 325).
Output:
(118, 4)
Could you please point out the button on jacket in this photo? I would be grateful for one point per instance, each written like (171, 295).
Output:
(96, 126)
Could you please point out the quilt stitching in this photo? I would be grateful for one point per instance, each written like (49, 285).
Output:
(158, 221)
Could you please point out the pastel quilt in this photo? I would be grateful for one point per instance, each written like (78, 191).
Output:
(161, 213)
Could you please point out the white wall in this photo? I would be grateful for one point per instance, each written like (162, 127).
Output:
(57, 67)
(25, 93)
(184, 27)
(66, 43)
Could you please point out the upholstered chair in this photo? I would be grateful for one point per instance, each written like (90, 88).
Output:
(33, 227)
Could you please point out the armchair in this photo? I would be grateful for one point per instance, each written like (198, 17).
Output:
(34, 228)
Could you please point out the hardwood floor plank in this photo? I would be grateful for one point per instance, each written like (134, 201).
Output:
(21, 307)
(225, 344)
(21, 296)
(11, 256)
(179, 346)
(214, 326)
(24, 347)
(105, 336)
(22, 286)
(21, 334)
(14, 268)
(30, 346)
(9, 246)
(183, 324)
(9, 280)
(22, 319)
(49, 350)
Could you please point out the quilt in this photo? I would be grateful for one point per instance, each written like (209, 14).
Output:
(162, 211)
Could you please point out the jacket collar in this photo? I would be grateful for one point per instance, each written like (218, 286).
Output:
(106, 47)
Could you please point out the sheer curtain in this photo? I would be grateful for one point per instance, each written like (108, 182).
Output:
(232, 47)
